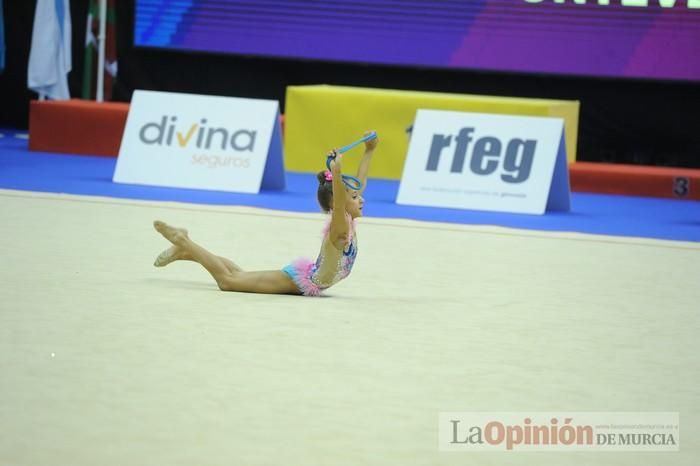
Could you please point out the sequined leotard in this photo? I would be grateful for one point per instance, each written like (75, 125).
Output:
(331, 266)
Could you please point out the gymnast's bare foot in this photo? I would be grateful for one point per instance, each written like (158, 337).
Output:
(172, 254)
(177, 236)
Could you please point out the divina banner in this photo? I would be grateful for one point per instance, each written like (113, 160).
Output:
(201, 142)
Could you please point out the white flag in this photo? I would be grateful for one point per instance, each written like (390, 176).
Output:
(50, 55)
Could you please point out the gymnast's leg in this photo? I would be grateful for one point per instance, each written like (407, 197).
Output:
(176, 253)
(228, 276)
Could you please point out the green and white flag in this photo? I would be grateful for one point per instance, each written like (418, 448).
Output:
(91, 50)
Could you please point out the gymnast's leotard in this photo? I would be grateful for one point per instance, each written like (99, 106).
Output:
(331, 266)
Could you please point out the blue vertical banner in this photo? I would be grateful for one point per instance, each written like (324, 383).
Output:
(50, 55)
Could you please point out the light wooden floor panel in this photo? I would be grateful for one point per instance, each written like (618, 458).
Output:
(107, 360)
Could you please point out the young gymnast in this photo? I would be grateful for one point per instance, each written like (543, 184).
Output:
(338, 194)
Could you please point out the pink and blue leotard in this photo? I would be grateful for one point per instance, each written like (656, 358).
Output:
(331, 266)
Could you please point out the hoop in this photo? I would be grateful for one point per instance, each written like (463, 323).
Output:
(352, 182)
(368, 137)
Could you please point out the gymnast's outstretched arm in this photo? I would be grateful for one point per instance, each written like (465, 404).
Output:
(339, 225)
(364, 163)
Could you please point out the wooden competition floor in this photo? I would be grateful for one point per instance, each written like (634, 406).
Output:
(106, 360)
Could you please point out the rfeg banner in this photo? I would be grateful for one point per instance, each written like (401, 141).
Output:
(481, 161)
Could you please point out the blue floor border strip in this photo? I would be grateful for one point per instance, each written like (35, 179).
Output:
(21, 169)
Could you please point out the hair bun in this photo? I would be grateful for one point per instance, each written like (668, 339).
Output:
(321, 177)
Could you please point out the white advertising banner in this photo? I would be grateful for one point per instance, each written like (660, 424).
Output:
(201, 142)
(488, 162)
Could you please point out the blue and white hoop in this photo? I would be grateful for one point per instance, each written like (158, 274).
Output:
(351, 182)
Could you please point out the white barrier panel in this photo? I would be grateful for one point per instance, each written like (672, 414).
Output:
(201, 142)
(483, 161)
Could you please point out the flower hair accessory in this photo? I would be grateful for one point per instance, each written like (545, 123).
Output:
(328, 175)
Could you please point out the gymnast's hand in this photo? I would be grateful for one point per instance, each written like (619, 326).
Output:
(334, 161)
(372, 143)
